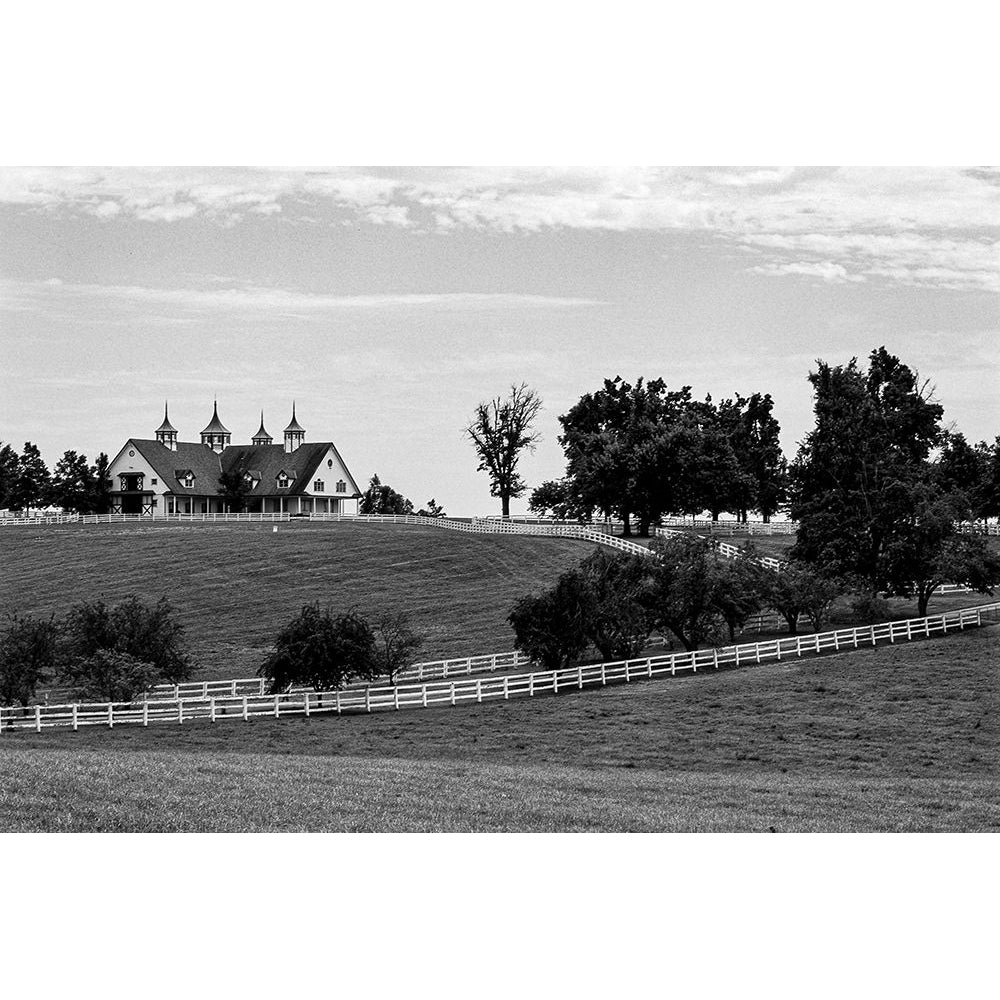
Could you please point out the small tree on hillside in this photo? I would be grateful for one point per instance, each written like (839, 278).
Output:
(550, 627)
(72, 486)
(395, 643)
(100, 498)
(500, 431)
(798, 587)
(146, 634)
(30, 487)
(434, 509)
(27, 657)
(381, 498)
(321, 651)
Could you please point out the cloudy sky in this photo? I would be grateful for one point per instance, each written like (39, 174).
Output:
(388, 301)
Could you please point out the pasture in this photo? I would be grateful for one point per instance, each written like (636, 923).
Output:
(235, 585)
(898, 738)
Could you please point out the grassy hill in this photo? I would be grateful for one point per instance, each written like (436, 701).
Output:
(897, 738)
(235, 585)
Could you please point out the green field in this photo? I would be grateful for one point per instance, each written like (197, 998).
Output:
(898, 738)
(235, 585)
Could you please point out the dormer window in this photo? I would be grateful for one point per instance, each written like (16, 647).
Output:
(188, 481)
(283, 481)
(341, 486)
(319, 486)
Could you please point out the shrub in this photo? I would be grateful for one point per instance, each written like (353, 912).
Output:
(321, 651)
(617, 622)
(27, 657)
(870, 609)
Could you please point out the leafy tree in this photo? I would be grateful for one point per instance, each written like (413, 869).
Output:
(72, 486)
(686, 588)
(148, 634)
(500, 430)
(434, 509)
(561, 499)
(8, 473)
(383, 499)
(798, 589)
(100, 499)
(27, 657)
(234, 488)
(743, 589)
(109, 675)
(321, 651)
(931, 551)
(854, 479)
(550, 627)
(395, 644)
(960, 468)
(616, 622)
(30, 486)
(990, 493)
(754, 436)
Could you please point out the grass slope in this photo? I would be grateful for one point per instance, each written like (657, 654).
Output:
(235, 585)
(899, 738)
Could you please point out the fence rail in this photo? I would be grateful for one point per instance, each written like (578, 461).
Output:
(479, 689)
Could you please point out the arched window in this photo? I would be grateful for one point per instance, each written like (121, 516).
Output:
(341, 486)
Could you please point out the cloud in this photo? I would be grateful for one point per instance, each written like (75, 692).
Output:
(53, 294)
(932, 226)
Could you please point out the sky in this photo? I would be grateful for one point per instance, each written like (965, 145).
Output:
(387, 302)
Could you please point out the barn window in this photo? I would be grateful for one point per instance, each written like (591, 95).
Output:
(319, 486)
(341, 486)
(282, 482)
(153, 482)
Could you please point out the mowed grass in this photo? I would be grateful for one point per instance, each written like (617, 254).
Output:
(898, 738)
(235, 585)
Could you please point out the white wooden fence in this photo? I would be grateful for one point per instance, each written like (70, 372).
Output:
(479, 689)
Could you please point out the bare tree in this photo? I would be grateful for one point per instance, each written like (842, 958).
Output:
(500, 431)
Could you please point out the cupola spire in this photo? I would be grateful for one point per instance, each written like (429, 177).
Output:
(166, 433)
(262, 437)
(294, 434)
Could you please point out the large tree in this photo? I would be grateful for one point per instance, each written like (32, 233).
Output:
(500, 431)
(100, 500)
(854, 481)
(30, 487)
(73, 485)
(8, 473)
(754, 434)
(234, 488)
(380, 498)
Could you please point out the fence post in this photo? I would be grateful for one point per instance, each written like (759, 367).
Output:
(715, 657)
(75, 723)
(307, 703)
(423, 696)
(246, 708)
(506, 687)
(368, 699)
(395, 698)
(145, 713)
(453, 692)
(873, 635)
(180, 712)
(531, 685)
(111, 715)
(555, 682)
(479, 690)
(277, 706)
(336, 701)
(234, 687)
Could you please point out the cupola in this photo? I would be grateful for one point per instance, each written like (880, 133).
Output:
(215, 435)
(294, 434)
(166, 434)
(262, 437)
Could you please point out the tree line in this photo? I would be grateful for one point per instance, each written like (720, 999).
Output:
(73, 484)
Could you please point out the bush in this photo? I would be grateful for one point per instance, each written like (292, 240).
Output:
(617, 622)
(27, 658)
(870, 609)
(110, 675)
(317, 650)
